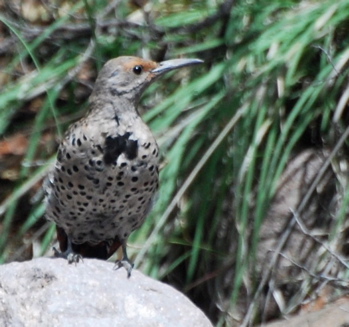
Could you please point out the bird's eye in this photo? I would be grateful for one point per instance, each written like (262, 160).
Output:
(138, 69)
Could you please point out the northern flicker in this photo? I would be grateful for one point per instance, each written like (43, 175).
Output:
(106, 172)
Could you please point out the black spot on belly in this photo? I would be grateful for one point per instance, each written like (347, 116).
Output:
(115, 146)
(59, 155)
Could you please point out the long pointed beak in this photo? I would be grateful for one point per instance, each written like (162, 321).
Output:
(166, 66)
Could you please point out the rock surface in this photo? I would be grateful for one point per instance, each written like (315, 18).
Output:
(49, 292)
(332, 315)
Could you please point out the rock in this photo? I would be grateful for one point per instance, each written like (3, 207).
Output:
(334, 314)
(301, 252)
(49, 292)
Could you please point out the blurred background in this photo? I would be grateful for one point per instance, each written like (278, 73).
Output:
(251, 219)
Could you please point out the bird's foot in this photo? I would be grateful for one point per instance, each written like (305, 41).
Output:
(126, 263)
(69, 255)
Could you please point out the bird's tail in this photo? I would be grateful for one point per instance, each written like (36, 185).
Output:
(102, 250)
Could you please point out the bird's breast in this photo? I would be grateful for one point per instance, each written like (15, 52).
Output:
(103, 184)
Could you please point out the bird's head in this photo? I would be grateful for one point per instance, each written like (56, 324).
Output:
(128, 77)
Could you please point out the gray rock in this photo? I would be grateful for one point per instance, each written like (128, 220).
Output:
(49, 292)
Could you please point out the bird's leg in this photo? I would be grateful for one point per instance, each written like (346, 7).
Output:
(68, 254)
(125, 261)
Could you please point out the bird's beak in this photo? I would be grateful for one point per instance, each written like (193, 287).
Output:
(166, 66)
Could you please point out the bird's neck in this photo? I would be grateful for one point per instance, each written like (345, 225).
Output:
(112, 106)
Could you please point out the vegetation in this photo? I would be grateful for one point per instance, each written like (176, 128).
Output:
(273, 85)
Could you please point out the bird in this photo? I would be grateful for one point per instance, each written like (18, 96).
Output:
(106, 173)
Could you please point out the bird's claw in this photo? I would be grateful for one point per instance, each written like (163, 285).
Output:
(69, 255)
(127, 264)
(74, 258)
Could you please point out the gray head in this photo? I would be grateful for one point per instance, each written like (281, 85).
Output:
(128, 77)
